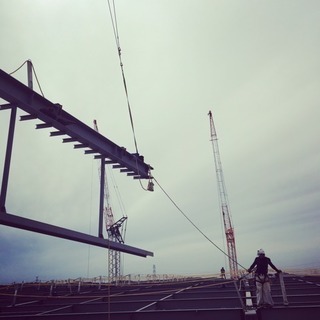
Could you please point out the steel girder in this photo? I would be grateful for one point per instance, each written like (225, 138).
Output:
(53, 115)
(51, 230)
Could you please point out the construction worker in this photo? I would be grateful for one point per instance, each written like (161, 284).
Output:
(262, 281)
(222, 273)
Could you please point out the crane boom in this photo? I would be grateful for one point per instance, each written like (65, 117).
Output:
(228, 228)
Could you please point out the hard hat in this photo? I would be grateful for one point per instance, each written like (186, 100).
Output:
(260, 251)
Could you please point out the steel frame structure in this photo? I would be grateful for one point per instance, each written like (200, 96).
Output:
(52, 115)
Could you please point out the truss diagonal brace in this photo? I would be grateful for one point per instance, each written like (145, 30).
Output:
(51, 230)
(15, 92)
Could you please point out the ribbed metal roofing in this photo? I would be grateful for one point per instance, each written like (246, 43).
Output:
(195, 298)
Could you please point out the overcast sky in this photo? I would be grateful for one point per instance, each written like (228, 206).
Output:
(255, 64)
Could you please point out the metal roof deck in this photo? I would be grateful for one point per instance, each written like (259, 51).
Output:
(197, 299)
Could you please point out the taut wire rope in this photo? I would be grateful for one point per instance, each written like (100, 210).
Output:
(193, 224)
(112, 11)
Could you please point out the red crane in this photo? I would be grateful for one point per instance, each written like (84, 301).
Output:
(228, 228)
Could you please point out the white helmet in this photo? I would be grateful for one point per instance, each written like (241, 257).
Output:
(260, 251)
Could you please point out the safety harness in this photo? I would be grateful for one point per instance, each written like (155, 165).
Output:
(261, 278)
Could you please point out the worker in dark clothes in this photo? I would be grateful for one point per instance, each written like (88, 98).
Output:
(261, 263)
(223, 273)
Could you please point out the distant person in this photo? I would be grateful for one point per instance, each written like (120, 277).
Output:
(222, 273)
(262, 281)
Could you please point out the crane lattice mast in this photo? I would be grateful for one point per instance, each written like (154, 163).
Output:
(228, 228)
(114, 230)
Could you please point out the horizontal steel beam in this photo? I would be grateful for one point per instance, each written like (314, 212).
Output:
(51, 230)
(15, 92)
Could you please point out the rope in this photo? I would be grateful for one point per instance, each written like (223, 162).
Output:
(35, 74)
(194, 225)
(113, 16)
(11, 73)
(34, 71)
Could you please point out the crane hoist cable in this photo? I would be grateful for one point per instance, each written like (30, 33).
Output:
(113, 16)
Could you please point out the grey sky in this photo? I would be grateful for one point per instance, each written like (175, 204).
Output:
(255, 64)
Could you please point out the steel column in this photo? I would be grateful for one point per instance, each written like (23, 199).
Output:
(7, 161)
(30, 80)
(101, 207)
